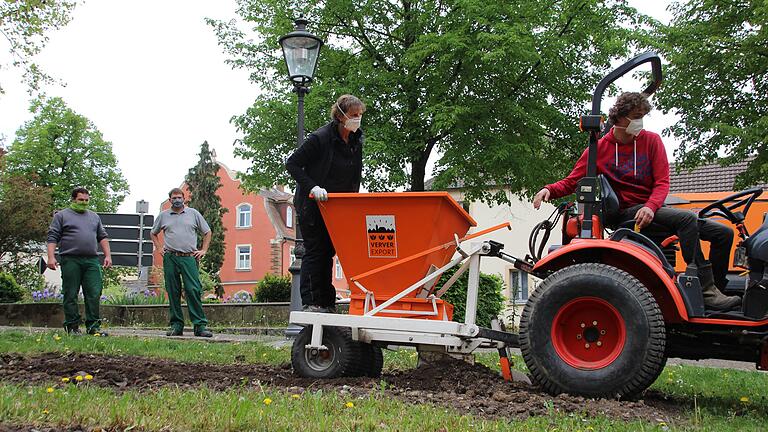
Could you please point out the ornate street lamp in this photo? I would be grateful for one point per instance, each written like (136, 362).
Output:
(300, 50)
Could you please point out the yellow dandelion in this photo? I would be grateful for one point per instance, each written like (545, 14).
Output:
(97, 334)
(49, 389)
(744, 399)
(89, 377)
(295, 396)
(65, 380)
(267, 401)
(349, 405)
(45, 412)
(79, 378)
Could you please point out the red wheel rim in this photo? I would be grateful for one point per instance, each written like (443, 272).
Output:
(588, 333)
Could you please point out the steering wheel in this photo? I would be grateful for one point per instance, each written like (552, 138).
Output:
(726, 206)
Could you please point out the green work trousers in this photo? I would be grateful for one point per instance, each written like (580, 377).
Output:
(82, 271)
(177, 269)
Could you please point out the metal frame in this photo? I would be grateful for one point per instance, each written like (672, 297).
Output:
(453, 337)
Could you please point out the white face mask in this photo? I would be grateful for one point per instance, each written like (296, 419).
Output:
(635, 126)
(352, 124)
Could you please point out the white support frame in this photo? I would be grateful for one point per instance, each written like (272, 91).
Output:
(454, 337)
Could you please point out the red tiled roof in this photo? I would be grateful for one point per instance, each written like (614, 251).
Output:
(707, 178)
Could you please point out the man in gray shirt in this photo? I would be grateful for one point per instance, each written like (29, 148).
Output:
(77, 231)
(180, 226)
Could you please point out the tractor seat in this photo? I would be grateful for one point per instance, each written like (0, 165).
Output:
(657, 233)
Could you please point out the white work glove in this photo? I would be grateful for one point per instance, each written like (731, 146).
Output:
(319, 193)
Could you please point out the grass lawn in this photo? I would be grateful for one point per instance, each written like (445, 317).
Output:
(712, 399)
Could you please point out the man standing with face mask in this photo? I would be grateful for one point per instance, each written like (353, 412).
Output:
(180, 226)
(329, 160)
(77, 231)
(635, 163)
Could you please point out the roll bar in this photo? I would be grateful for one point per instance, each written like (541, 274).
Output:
(586, 191)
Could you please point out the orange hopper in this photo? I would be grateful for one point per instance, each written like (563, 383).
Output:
(410, 232)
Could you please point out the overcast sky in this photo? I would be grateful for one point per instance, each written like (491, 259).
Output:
(151, 77)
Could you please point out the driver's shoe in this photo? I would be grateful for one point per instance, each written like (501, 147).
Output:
(713, 298)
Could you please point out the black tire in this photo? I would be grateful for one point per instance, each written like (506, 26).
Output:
(555, 358)
(376, 362)
(371, 361)
(342, 358)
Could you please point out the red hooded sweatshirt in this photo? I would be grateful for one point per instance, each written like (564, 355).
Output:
(638, 171)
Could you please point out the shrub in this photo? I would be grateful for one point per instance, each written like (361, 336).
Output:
(273, 288)
(490, 301)
(10, 291)
(113, 276)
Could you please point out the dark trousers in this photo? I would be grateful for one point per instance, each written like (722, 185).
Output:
(178, 269)
(690, 229)
(77, 271)
(316, 264)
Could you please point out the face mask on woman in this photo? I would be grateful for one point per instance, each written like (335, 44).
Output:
(351, 124)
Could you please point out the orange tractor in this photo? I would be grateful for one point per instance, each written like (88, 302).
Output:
(611, 308)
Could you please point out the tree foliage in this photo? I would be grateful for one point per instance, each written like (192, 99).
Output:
(203, 182)
(493, 88)
(61, 150)
(25, 212)
(25, 26)
(717, 83)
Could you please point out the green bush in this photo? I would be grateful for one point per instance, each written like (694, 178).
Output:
(26, 272)
(273, 288)
(10, 291)
(113, 276)
(490, 301)
(207, 281)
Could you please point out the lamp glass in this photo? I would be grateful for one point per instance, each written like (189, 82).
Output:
(301, 56)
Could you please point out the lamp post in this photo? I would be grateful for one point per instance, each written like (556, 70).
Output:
(300, 50)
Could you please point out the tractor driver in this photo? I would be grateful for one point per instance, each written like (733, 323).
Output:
(634, 161)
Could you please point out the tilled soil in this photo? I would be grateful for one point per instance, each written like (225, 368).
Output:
(459, 386)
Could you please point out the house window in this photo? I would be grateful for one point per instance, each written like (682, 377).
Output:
(339, 273)
(293, 255)
(289, 217)
(244, 216)
(518, 286)
(243, 257)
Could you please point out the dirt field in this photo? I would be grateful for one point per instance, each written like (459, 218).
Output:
(459, 386)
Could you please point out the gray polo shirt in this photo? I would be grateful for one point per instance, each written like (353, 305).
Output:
(76, 233)
(180, 229)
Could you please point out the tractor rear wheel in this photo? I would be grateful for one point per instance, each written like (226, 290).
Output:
(342, 357)
(593, 330)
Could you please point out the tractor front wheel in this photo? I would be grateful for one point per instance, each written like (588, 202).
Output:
(593, 330)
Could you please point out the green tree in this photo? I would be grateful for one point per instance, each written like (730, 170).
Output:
(25, 26)
(717, 83)
(203, 182)
(25, 212)
(61, 150)
(494, 87)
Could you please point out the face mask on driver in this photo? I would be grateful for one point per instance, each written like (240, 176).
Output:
(635, 126)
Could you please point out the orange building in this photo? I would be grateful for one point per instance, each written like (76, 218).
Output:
(260, 228)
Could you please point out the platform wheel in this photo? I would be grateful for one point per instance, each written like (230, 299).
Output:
(374, 360)
(593, 330)
(341, 358)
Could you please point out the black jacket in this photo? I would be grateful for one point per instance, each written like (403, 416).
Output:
(309, 166)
